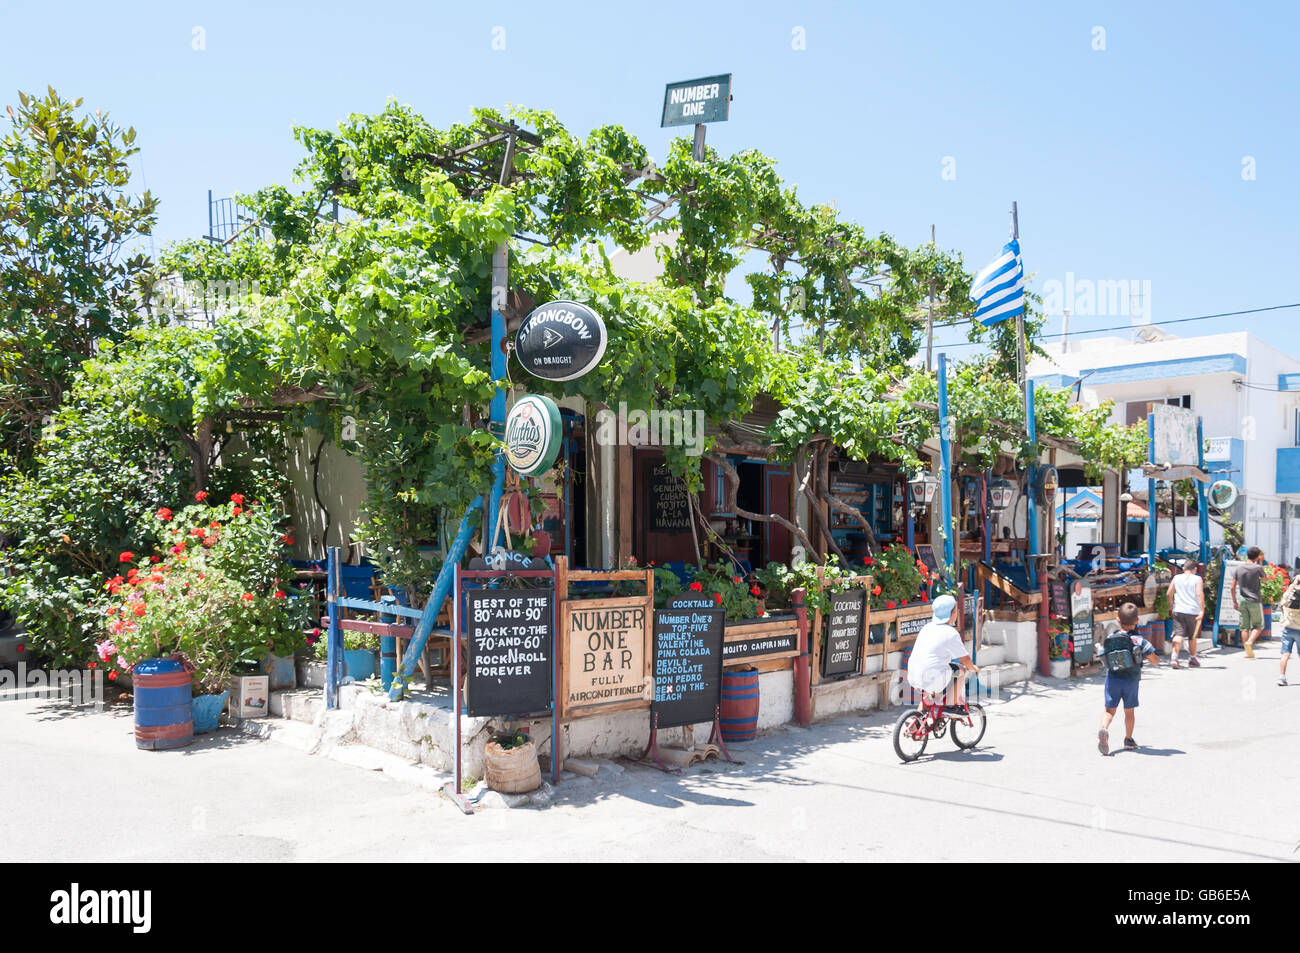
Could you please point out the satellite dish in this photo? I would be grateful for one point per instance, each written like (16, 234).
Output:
(1222, 494)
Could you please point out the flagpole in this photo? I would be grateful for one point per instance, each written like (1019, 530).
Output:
(1020, 318)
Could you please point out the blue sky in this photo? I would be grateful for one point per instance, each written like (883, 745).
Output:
(1126, 162)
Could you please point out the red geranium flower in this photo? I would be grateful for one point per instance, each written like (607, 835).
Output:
(696, 587)
(112, 676)
(236, 511)
(889, 605)
(177, 550)
(93, 665)
(164, 514)
(139, 609)
(286, 539)
(198, 531)
(237, 499)
(755, 591)
(154, 559)
(875, 591)
(735, 579)
(126, 557)
(201, 495)
(717, 598)
(279, 594)
(247, 597)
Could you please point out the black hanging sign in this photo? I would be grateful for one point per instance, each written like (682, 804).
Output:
(561, 340)
(670, 510)
(510, 644)
(687, 661)
(844, 632)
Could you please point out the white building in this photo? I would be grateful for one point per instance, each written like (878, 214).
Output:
(1247, 394)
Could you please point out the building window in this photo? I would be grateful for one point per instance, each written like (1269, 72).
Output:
(1136, 411)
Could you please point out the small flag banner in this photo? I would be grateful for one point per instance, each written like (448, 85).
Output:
(999, 289)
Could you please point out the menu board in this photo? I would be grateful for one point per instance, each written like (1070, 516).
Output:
(774, 642)
(687, 661)
(1081, 623)
(1229, 615)
(605, 650)
(670, 510)
(844, 632)
(1058, 592)
(511, 636)
(925, 553)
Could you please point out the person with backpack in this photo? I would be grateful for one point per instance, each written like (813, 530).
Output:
(1290, 623)
(1122, 653)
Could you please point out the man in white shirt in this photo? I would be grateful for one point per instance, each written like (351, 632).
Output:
(1186, 595)
(937, 647)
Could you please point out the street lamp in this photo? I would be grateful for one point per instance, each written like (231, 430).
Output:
(1001, 491)
(923, 486)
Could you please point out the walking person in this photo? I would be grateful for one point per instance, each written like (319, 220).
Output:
(1290, 624)
(1122, 653)
(1250, 605)
(1186, 594)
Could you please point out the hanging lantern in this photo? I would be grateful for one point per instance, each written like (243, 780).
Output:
(924, 485)
(1001, 492)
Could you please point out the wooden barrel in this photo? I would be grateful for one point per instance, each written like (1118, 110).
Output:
(163, 714)
(1155, 634)
(739, 716)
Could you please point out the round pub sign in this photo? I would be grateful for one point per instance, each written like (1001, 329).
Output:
(561, 341)
(533, 434)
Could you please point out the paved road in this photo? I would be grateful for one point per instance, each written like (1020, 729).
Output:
(1214, 781)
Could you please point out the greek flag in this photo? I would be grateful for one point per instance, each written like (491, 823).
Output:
(999, 290)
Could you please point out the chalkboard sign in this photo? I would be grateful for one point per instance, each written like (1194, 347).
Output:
(844, 632)
(925, 553)
(772, 643)
(687, 661)
(1058, 593)
(510, 644)
(913, 625)
(1081, 621)
(670, 510)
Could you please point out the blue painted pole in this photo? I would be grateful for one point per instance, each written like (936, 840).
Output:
(911, 520)
(497, 415)
(1202, 501)
(334, 637)
(1031, 488)
(945, 469)
(1151, 494)
(441, 588)
(387, 647)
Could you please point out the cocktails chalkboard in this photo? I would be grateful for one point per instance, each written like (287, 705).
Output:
(510, 635)
(925, 553)
(844, 632)
(687, 661)
(669, 505)
(1059, 598)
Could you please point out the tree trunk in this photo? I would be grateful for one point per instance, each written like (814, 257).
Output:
(733, 485)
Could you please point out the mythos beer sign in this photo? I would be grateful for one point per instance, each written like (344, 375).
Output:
(533, 434)
(561, 341)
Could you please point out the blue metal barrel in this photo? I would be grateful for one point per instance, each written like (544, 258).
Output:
(163, 714)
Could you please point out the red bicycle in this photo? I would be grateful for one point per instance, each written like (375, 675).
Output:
(916, 726)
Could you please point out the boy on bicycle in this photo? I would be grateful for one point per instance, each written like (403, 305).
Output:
(937, 647)
(1122, 653)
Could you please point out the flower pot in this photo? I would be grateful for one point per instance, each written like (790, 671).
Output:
(512, 771)
(281, 671)
(359, 664)
(1060, 668)
(1267, 631)
(207, 711)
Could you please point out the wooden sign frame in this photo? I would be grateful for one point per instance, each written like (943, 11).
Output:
(646, 604)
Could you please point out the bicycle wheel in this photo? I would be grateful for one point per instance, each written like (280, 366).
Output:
(910, 735)
(967, 732)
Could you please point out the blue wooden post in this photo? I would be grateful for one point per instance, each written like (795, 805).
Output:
(441, 587)
(334, 645)
(911, 521)
(387, 647)
(1151, 494)
(497, 416)
(1224, 554)
(1202, 500)
(1031, 488)
(945, 469)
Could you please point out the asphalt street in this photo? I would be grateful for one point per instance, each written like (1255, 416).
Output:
(1219, 763)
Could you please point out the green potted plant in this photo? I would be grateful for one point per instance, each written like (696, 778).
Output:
(1060, 650)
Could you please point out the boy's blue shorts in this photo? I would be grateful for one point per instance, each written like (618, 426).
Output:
(1122, 690)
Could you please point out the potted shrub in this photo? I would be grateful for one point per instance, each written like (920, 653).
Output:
(510, 763)
(1271, 587)
(1060, 650)
(212, 596)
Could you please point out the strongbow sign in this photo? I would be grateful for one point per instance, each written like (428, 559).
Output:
(532, 434)
(560, 341)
